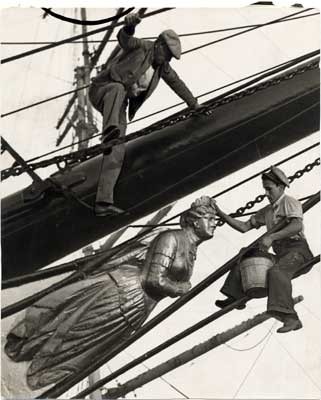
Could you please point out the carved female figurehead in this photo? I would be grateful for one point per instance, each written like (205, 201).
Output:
(170, 259)
(66, 329)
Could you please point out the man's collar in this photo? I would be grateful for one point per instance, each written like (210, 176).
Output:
(277, 202)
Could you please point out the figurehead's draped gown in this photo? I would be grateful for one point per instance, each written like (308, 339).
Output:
(62, 333)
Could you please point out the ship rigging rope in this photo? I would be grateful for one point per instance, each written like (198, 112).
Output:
(235, 215)
(207, 109)
(100, 359)
(269, 332)
(259, 355)
(245, 31)
(78, 263)
(286, 63)
(291, 356)
(72, 39)
(86, 22)
(171, 385)
(265, 134)
(290, 62)
(43, 101)
(84, 87)
(71, 266)
(234, 28)
(160, 347)
(252, 366)
(306, 373)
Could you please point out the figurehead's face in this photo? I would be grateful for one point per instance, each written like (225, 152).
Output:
(272, 190)
(205, 226)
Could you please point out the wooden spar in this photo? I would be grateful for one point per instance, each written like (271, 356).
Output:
(159, 169)
(188, 355)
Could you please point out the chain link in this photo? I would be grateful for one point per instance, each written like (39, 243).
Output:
(86, 154)
(249, 205)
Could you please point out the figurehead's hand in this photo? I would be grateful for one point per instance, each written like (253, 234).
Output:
(132, 19)
(183, 288)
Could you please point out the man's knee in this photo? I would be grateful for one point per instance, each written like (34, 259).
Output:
(277, 274)
(274, 273)
(115, 88)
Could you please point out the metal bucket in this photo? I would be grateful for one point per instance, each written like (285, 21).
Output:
(254, 275)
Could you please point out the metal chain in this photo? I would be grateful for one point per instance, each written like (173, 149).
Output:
(65, 161)
(240, 211)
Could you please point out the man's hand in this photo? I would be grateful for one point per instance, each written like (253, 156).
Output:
(267, 241)
(132, 19)
(217, 208)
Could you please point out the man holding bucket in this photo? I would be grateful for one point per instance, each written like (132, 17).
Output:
(289, 244)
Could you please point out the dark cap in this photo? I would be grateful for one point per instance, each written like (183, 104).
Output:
(277, 176)
(172, 40)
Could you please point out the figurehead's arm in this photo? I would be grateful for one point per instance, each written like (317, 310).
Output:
(157, 279)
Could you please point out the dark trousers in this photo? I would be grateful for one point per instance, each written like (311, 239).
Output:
(111, 100)
(290, 256)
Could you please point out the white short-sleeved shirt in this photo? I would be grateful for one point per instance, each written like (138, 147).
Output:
(285, 207)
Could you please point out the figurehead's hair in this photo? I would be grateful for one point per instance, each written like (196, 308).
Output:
(199, 208)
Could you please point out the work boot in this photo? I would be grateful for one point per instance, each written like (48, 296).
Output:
(227, 302)
(107, 209)
(291, 323)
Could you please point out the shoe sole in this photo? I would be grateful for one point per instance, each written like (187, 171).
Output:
(240, 307)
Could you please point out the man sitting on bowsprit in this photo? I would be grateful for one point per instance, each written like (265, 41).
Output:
(289, 244)
(132, 73)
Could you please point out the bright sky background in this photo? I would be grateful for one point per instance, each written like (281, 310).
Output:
(282, 366)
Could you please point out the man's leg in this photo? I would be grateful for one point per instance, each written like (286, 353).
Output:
(280, 302)
(108, 100)
(232, 288)
(114, 97)
(111, 167)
